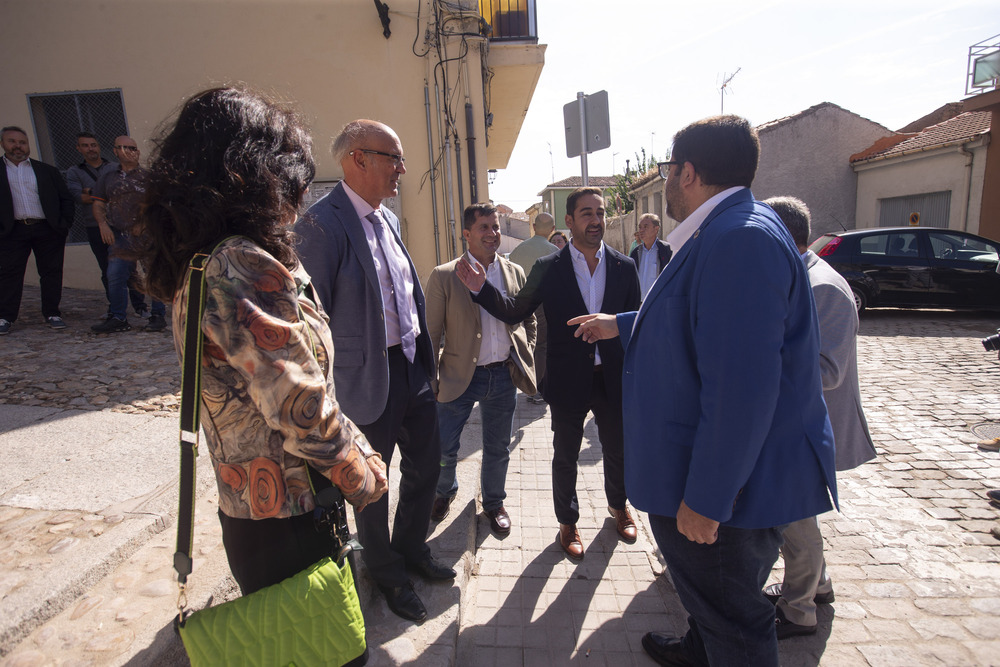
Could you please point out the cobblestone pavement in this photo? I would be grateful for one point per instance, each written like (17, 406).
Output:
(915, 568)
(914, 565)
(133, 372)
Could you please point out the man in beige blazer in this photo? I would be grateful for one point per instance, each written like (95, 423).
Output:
(482, 360)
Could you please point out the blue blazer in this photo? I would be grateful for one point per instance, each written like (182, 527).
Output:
(334, 251)
(723, 401)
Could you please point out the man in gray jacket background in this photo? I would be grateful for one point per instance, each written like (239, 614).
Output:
(806, 582)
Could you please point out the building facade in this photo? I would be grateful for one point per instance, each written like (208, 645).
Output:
(454, 88)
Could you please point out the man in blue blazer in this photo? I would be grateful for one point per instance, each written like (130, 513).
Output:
(384, 361)
(584, 277)
(726, 434)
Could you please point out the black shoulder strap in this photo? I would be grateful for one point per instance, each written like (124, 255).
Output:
(190, 406)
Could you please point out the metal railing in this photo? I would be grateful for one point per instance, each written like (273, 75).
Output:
(57, 117)
(511, 20)
(984, 66)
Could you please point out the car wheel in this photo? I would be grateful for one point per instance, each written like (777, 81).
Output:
(860, 300)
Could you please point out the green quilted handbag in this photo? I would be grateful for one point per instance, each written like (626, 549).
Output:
(311, 618)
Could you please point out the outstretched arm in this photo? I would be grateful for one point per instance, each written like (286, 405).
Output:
(592, 328)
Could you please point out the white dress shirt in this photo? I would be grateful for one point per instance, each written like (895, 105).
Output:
(686, 229)
(24, 190)
(649, 264)
(496, 342)
(591, 286)
(392, 333)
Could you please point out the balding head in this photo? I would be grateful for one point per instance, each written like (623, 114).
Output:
(372, 158)
(543, 225)
(795, 214)
(127, 152)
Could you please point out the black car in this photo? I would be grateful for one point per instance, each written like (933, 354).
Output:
(917, 267)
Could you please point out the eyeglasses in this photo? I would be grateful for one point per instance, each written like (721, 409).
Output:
(397, 160)
(664, 167)
(127, 148)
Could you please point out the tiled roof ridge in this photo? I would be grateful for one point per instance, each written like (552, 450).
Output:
(772, 124)
(577, 182)
(959, 129)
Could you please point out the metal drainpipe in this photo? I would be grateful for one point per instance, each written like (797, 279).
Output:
(446, 153)
(433, 172)
(969, 157)
(470, 138)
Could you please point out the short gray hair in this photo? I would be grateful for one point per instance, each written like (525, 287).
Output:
(652, 217)
(795, 214)
(353, 135)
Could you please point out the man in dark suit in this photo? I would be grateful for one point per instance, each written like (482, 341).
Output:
(384, 360)
(36, 212)
(652, 254)
(726, 433)
(584, 277)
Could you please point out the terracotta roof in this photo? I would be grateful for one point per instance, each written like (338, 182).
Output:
(577, 182)
(881, 145)
(960, 129)
(939, 115)
(773, 124)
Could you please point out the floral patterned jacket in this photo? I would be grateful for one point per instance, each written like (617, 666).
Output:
(267, 395)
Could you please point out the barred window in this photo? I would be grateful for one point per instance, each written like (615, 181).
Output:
(57, 117)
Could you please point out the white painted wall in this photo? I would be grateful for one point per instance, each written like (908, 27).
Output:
(935, 170)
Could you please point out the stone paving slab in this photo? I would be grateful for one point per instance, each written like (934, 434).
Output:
(914, 565)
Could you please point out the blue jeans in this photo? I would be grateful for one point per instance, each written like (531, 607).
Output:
(119, 273)
(731, 623)
(495, 392)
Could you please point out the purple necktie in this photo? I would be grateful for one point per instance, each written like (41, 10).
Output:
(406, 324)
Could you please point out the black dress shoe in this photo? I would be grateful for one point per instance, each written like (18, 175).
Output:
(433, 570)
(773, 593)
(666, 650)
(499, 520)
(440, 509)
(785, 628)
(403, 602)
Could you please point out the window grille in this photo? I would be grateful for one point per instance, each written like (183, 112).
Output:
(57, 117)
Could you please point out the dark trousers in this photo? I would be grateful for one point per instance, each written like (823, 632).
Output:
(49, 247)
(100, 250)
(567, 428)
(263, 552)
(731, 623)
(409, 420)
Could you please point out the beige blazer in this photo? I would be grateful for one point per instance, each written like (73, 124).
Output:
(456, 331)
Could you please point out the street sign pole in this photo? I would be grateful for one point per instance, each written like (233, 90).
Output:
(580, 98)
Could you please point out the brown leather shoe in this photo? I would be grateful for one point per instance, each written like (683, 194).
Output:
(499, 520)
(569, 540)
(440, 509)
(625, 524)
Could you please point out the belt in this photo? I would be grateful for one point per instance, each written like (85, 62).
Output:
(599, 368)
(495, 364)
(32, 221)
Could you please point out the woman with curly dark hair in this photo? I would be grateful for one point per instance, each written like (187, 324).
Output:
(227, 180)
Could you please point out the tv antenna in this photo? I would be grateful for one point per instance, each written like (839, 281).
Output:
(722, 89)
(552, 163)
